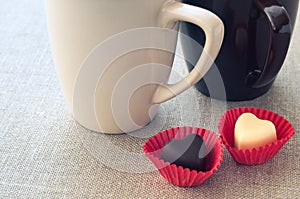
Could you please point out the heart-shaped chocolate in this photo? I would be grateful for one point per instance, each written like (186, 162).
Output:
(188, 152)
(252, 132)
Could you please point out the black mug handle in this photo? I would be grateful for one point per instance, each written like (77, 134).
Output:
(280, 35)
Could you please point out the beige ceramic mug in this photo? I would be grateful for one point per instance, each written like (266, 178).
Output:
(114, 57)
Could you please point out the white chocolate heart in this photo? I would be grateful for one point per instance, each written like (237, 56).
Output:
(252, 132)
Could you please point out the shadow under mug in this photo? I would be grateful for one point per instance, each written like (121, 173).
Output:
(114, 58)
(256, 41)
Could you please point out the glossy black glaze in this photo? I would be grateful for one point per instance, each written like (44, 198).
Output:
(257, 37)
(189, 152)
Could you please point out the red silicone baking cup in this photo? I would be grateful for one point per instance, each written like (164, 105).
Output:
(259, 155)
(177, 175)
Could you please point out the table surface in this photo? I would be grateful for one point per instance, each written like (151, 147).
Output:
(45, 153)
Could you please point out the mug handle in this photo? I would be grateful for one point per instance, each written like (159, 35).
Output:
(214, 31)
(280, 36)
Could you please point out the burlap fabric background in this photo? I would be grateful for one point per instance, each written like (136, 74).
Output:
(44, 153)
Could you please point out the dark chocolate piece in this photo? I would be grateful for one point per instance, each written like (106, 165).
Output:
(189, 152)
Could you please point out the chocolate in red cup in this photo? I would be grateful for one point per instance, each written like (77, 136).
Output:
(259, 155)
(177, 175)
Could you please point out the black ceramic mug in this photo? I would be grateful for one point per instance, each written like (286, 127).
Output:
(257, 38)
